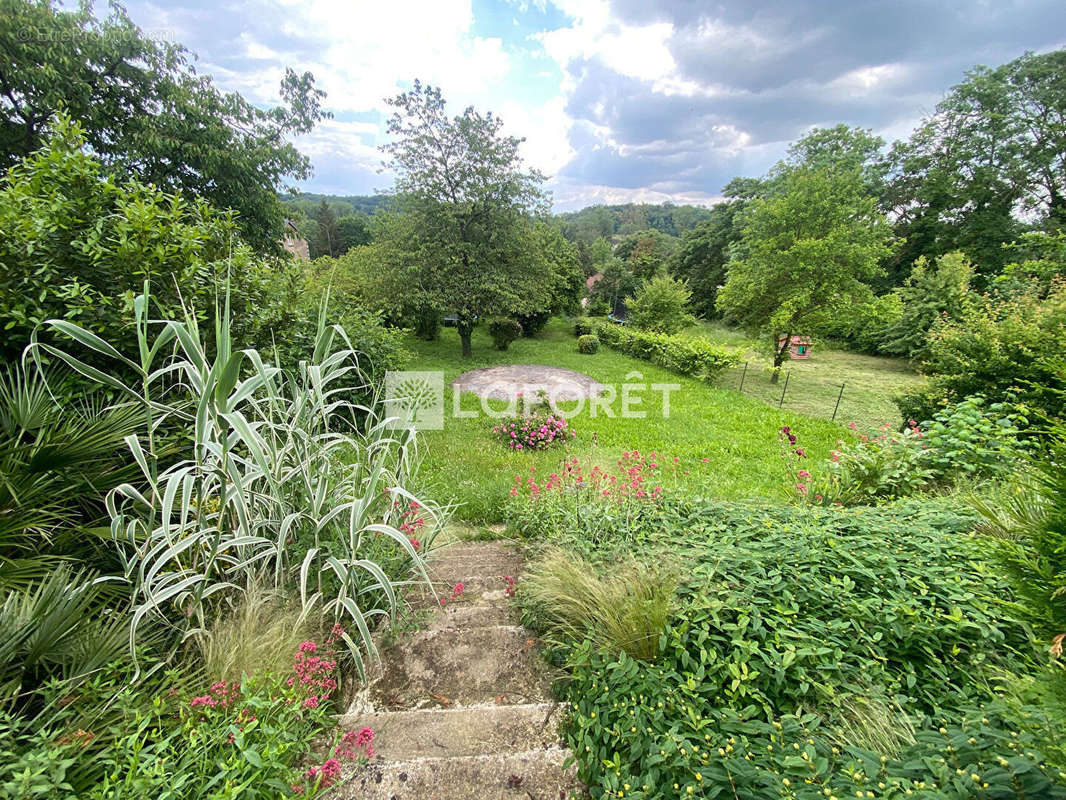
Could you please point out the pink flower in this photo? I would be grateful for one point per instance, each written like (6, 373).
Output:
(803, 474)
(307, 647)
(311, 702)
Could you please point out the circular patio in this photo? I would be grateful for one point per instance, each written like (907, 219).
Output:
(527, 380)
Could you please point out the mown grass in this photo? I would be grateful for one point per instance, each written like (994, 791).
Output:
(814, 384)
(737, 434)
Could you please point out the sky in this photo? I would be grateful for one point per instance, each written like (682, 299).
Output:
(618, 100)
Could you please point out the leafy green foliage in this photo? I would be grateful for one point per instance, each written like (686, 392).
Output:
(932, 292)
(583, 326)
(994, 143)
(969, 441)
(1030, 538)
(148, 114)
(696, 357)
(659, 305)
(79, 244)
(812, 653)
(308, 507)
(1002, 349)
(588, 344)
(503, 332)
(703, 253)
(809, 249)
(466, 241)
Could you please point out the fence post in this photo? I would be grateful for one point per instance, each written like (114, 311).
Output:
(784, 388)
(837, 406)
(742, 376)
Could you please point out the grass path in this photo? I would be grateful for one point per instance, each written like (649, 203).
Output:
(736, 434)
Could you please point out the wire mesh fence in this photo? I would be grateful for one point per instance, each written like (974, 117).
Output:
(802, 392)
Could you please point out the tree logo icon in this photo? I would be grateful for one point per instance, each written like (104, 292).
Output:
(415, 399)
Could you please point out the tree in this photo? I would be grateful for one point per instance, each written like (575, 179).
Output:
(645, 253)
(659, 305)
(468, 202)
(327, 237)
(352, 231)
(703, 254)
(1005, 349)
(937, 290)
(147, 113)
(994, 147)
(79, 244)
(807, 252)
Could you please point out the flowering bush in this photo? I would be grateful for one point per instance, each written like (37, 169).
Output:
(538, 431)
(253, 733)
(967, 440)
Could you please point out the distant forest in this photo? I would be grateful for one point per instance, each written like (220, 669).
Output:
(585, 225)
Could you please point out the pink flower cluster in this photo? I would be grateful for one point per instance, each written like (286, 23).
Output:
(348, 747)
(313, 674)
(457, 592)
(632, 478)
(510, 590)
(412, 522)
(538, 431)
(220, 695)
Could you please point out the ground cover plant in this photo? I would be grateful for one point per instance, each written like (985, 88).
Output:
(736, 435)
(811, 653)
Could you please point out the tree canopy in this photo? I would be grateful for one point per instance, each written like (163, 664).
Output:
(808, 250)
(469, 203)
(147, 113)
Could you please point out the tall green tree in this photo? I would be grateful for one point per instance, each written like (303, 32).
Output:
(703, 254)
(994, 148)
(147, 113)
(326, 241)
(469, 202)
(353, 230)
(808, 251)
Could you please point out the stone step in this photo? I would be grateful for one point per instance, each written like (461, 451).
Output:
(479, 730)
(460, 667)
(465, 561)
(475, 588)
(535, 774)
(470, 614)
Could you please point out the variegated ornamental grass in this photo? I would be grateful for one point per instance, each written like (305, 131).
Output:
(282, 482)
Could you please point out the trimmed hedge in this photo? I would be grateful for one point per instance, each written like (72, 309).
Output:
(504, 331)
(588, 344)
(696, 357)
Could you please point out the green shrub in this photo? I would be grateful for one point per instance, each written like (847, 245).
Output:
(659, 305)
(696, 357)
(79, 244)
(503, 332)
(588, 344)
(583, 326)
(533, 323)
(968, 440)
(1002, 349)
(845, 647)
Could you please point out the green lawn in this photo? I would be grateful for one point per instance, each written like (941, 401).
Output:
(735, 433)
(814, 384)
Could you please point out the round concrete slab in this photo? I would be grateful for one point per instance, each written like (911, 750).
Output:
(506, 383)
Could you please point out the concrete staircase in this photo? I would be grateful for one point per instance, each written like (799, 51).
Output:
(461, 710)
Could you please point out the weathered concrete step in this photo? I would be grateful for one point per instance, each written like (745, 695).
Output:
(466, 614)
(440, 733)
(536, 774)
(460, 667)
(467, 560)
(475, 588)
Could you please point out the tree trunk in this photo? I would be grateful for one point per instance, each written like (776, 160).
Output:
(779, 358)
(466, 330)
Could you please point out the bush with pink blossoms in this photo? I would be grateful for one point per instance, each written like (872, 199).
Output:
(257, 733)
(538, 431)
